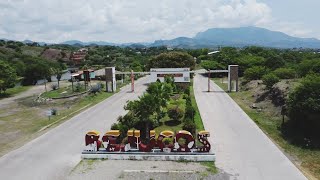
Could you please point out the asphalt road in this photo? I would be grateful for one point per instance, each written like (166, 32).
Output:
(54, 154)
(242, 149)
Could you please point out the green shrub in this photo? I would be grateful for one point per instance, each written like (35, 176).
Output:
(190, 112)
(187, 91)
(54, 111)
(254, 73)
(95, 89)
(175, 113)
(115, 126)
(190, 126)
(269, 80)
(77, 87)
(304, 108)
(167, 141)
(285, 73)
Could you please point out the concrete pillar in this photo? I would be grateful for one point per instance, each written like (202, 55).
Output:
(233, 76)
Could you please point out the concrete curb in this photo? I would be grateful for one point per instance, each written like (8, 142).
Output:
(151, 156)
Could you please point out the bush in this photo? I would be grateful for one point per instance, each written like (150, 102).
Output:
(54, 86)
(54, 112)
(187, 91)
(190, 112)
(190, 126)
(254, 73)
(95, 89)
(167, 141)
(77, 87)
(115, 126)
(175, 113)
(269, 80)
(304, 108)
(285, 73)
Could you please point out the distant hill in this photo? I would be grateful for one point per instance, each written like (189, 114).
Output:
(244, 36)
(239, 37)
(80, 43)
(236, 37)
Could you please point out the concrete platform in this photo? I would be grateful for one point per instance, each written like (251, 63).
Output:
(150, 156)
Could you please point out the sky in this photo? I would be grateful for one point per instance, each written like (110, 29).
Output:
(123, 21)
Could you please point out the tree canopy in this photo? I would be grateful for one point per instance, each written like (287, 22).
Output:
(172, 60)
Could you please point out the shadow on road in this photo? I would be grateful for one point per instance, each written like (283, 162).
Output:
(214, 91)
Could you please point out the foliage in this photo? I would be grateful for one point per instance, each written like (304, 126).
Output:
(167, 141)
(190, 112)
(269, 80)
(54, 111)
(95, 89)
(211, 65)
(190, 126)
(285, 73)
(254, 73)
(304, 108)
(78, 87)
(172, 60)
(175, 113)
(307, 66)
(8, 76)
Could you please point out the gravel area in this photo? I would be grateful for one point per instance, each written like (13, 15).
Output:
(126, 169)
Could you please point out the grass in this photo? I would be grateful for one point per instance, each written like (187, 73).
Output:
(197, 117)
(211, 168)
(308, 160)
(63, 92)
(13, 91)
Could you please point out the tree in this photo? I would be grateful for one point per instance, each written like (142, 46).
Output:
(307, 66)
(58, 72)
(285, 73)
(172, 60)
(269, 80)
(304, 108)
(254, 73)
(8, 76)
(161, 94)
(175, 113)
(142, 109)
(211, 65)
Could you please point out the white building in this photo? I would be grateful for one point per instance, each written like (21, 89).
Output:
(179, 74)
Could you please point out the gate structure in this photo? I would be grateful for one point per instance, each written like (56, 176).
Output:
(233, 78)
(180, 75)
(111, 84)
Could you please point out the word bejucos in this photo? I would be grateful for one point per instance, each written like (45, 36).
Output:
(167, 141)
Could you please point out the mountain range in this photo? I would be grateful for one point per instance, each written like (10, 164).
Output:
(215, 37)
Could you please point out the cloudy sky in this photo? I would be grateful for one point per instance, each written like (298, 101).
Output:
(148, 20)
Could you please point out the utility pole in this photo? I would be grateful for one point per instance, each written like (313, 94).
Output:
(132, 81)
(209, 81)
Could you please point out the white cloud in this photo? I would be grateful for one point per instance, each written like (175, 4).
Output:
(124, 21)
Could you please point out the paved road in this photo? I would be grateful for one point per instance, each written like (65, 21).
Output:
(54, 154)
(242, 149)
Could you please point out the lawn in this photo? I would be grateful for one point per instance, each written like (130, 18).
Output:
(308, 160)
